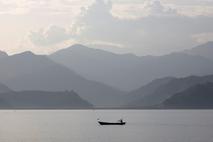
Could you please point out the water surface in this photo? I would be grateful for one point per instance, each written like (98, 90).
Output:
(82, 126)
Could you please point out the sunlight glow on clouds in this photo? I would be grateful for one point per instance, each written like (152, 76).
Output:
(161, 30)
(50, 36)
(147, 8)
(138, 26)
(47, 6)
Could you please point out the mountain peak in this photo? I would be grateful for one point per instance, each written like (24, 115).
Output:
(3, 54)
(74, 47)
(26, 53)
(78, 46)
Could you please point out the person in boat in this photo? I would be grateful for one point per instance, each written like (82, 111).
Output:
(121, 120)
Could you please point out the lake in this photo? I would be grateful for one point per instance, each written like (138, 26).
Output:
(82, 126)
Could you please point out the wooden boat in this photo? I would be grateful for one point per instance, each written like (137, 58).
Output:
(112, 123)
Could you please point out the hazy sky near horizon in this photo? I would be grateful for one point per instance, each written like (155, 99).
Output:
(139, 26)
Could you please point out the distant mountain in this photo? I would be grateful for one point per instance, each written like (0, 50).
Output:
(198, 96)
(3, 54)
(42, 100)
(27, 71)
(161, 89)
(4, 88)
(127, 71)
(146, 90)
(103, 66)
(204, 50)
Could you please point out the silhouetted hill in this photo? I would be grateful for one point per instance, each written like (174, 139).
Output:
(4, 88)
(159, 90)
(198, 96)
(27, 71)
(42, 100)
(204, 50)
(127, 71)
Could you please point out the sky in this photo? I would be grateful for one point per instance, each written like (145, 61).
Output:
(142, 27)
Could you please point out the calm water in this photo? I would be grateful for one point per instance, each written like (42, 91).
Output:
(81, 126)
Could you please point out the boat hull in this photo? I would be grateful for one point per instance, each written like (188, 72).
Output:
(111, 123)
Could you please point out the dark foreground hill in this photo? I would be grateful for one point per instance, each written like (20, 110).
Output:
(198, 96)
(42, 100)
(159, 90)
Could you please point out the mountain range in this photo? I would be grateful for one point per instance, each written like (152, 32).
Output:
(42, 100)
(197, 97)
(102, 78)
(4, 88)
(156, 92)
(204, 50)
(127, 71)
(27, 71)
(10, 99)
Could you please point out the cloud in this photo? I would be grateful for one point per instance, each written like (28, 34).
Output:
(203, 37)
(20, 7)
(143, 9)
(149, 27)
(156, 8)
(50, 36)
(11, 7)
(161, 30)
(127, 9)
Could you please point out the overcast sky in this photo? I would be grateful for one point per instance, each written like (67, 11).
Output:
(142, 27)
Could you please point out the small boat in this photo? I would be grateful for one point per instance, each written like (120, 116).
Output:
(120, 122)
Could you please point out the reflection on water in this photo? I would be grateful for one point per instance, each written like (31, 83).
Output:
(82, 126)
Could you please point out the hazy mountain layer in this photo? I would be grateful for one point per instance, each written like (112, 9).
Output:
(27, 71)
(4, 88)
(127, 71)
(159, 90)
(205, 50)
(42, 100)
(198, 96)
(3, 54)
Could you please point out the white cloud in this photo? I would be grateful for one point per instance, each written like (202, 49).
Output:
(195, 10)
(120, 7)
(17, 7)
(203, 37)
(127, 9)
(161, 30)
(50, 36)
(143, 9)
(156, 8)
(139, 26)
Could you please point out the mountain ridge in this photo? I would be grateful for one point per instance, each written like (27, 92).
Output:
(197, 96)
(42, 100)
(204, 50)
(27, 71)
(164, 90)
(4, 88)
(129, 72)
